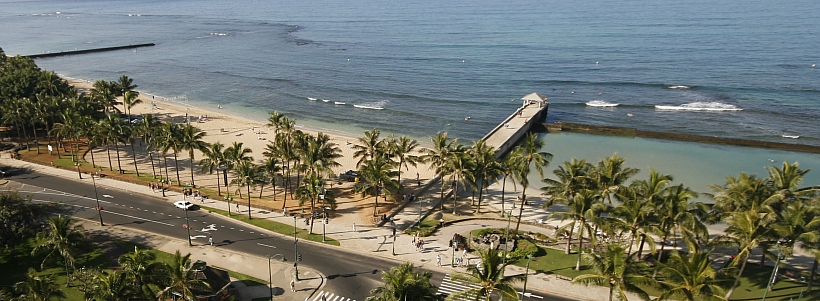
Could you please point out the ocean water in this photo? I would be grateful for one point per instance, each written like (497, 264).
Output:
(735, 69)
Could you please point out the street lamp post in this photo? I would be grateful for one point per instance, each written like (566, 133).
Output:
(526, 275)
(453, 256)
(96, 197)
(78, 170)
(295, 251)
(188, 227)
(270, 274)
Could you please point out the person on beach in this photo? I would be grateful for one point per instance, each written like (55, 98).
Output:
(293, 285)
(211, 240)
(438, 259)
(354, 227)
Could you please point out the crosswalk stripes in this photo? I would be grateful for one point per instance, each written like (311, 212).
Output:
(449, 286)
(328, 296)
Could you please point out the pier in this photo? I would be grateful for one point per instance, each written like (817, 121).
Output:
(532, 112)
(84, 51)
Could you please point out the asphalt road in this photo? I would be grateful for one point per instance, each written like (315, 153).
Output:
(352, 277)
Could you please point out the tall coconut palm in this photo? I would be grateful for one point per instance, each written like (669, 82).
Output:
(367, 146)
(691, 276)
(148, 129)
(38, 288)
(618, 271)
(281, 148)
(142, 268)
(236, 154)
(746, 230)
(61, 239)
(180, 278)
(214, 158)
(247, 174)
(319, 156)
(489, 277)
(584, 206)
(378, 173)
(129, 100)
(506, 167)
(652, 192)
(104, 93)
(404, 283)
(309, 190)
(610, 174)
(403, 150)
(115, 286)
(633, 215)
(459, 169)
(190, 139)
(275, 121)
(486, 167)
(270, 168)
(677, 215)
(531, 155)
(742, 193)
(438, 156)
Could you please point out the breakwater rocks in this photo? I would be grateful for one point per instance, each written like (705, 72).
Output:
(84, 51)
(633, 132)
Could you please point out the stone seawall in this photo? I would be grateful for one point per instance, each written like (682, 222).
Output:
(632, 132)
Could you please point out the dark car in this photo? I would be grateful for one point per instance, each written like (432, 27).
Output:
(349, 176)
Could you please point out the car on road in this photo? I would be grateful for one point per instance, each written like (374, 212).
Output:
(184, 205)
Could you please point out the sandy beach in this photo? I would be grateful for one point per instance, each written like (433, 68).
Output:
(221, 126)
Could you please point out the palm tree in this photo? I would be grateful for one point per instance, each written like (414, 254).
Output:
(530, 153)
(247, 174)
(678, 215)
(270, 168)
(506, 167)
(275, 121)
(214, 158)
(610, 174)
(618, 271)
(486, 167)
(633, 215)
(148, 129)
(652, 192)
(180, 279)
(403, 149)
(143, 269)
(236, 154)
(115, 286)
(61, 239)
(746, 230)
(190, 138)
(129, 100)
(438, 156)
(319, 155)
(691, 276)
(584, 206)
(104, 93)
(459, 167)
(490, 277)
(38, 288)
(172, 140)
(378, 173)
(404, 283)
(368, 146)
(312, 186)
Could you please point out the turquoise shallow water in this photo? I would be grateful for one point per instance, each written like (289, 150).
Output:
(694, 164)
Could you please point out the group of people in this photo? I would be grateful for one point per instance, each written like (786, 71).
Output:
(194, 193)
(418, 242)
(411, 198)
(155, 186)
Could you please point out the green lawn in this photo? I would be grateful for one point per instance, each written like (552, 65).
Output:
(275, 226)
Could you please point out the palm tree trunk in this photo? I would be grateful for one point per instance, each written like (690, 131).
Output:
(176, 164)
(119, 164)
(737, 279)
(134, 152)
(192, 170)
(218, 186)
(640, 246)
(376, 204)
(503, 189)
(455, 196)
(811, 277)
(90, 151)
(631, 242)
(34, 130)
(480, 195)
(165, 158)
(580, 243)
(154, 171)
(261, 187)
(249, 201)
(521, 209)
(108, 151)
(569, 238)
(312, 209)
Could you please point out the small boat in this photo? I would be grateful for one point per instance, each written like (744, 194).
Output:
(311, 98)
(790, 136)
(338, 103)
(601, 103)
(326, 100)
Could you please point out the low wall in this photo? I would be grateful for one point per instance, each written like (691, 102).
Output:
(633, 132)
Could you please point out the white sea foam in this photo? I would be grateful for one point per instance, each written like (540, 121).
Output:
(376, 105)
(700, 106)
(311, 98)
(680, 87)
(790, 136)
(601, 103)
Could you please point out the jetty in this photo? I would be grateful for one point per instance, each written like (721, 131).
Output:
(84, 51)
(533, 112)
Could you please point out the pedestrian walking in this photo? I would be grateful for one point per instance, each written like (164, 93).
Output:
(414, 237)
(293, 285)
(237, 206)
(354, 227)
(438, 260)
(211, 240)
(285, 212)
(421, 245)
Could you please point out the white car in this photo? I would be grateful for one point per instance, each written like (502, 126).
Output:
(184, 205)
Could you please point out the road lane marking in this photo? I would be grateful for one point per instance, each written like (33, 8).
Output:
(111, 212)
(264, 245)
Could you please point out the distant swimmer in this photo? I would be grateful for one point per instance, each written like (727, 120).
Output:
(771, 160)
(812, 65)
(447, 124)
(348, 60)
(596, 63)
(218, 106)
(629, 114)
(462, 61)
(467, 118)
(599, 93)
(573, 92)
